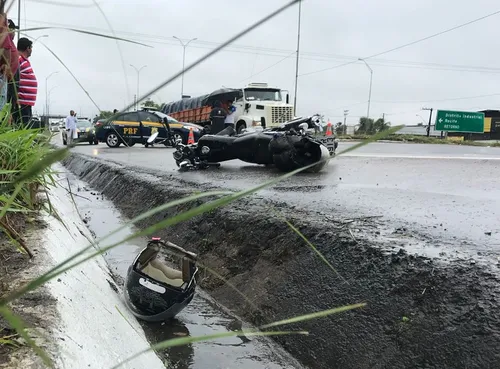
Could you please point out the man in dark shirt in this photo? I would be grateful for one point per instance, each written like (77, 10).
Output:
(217, 117)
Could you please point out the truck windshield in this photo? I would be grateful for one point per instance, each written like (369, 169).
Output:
(262, 95)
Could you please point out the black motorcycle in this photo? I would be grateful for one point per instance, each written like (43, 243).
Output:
(155, 292)
(288, 147)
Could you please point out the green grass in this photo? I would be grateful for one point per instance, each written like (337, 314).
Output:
(20, 151)
(26, 159)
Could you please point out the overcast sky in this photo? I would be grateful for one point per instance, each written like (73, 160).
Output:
(445, 72)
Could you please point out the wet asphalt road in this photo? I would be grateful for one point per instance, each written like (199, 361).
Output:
(448, 195)
(201, 317)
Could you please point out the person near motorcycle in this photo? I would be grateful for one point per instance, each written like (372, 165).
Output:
(231, 109)
(217, 117)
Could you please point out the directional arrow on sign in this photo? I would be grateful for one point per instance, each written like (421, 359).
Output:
(440, 120)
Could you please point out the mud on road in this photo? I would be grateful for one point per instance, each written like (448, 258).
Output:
(420, 313)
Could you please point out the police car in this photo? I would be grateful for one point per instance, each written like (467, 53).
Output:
(133, 127)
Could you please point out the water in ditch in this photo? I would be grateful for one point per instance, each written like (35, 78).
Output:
(202, 317)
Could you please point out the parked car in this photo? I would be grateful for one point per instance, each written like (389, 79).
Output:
(85, 130)
(55, 126)
(137, 126)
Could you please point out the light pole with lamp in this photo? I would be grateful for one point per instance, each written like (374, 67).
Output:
(49, 101)
(137, 96)
(370, 92)
(184, 45)
(19, 19)
(46, 93)
(297, 62)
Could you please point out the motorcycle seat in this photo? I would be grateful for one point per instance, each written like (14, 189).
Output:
(228, 131)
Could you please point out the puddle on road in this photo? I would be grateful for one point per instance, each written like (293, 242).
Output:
(201, 317)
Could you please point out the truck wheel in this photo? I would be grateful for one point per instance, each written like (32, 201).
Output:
(112, 139)
(240, 126)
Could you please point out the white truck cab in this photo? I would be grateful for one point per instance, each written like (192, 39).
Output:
(261, 106)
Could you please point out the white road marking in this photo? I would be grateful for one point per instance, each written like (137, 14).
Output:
(396, 156)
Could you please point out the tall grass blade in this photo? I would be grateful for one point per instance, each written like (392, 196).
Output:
(117, 45)
(125, 318)
(17, 323)
(7, 205)
(37, 168)
(4, 341)
(375, 137)
(232, 286)
(87, 33)
(72, 75)
(50, 274)
(58, 3)
(319, 314)
(321, 256)
(188, 340)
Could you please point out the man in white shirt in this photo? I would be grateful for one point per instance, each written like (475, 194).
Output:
(70, 123)
(230, 114)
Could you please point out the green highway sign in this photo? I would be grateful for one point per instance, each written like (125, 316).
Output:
(460, 121)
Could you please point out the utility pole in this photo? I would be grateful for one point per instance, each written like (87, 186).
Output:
(370, 92)
(137, 95)
(297, 62)
(430, 118)
(345, 121)
(47, 94)
(184, 45)
(19, 19)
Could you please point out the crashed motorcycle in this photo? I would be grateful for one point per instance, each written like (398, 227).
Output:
(288, 147)
(155, 292)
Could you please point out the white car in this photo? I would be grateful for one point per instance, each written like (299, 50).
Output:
(54, 126)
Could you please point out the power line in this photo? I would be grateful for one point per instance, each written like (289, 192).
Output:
(278, 53)
(271, 66)
(438, 100)
(409, 44)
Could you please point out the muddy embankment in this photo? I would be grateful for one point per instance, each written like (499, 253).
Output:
(420, 313)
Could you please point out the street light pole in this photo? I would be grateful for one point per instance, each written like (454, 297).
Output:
(138, 72)
(184, 45)
(19, 19)
(46, 93)
(370, 92)
(297, 62)
(345, 121)
(49, 100)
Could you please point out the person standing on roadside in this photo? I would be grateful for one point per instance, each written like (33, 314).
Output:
(229, 121)
(9, 62)
(70, 125)
(27, 83)
(217, 117)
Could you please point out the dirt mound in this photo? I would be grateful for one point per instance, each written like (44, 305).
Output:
(420, 314)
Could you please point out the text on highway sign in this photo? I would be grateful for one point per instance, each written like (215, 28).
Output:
(460, 121)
